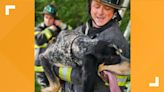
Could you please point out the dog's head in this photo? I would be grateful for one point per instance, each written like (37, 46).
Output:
(108, 53)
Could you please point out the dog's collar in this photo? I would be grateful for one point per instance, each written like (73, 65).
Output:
(118, 50)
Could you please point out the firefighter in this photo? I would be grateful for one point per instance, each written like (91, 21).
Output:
(45, 33)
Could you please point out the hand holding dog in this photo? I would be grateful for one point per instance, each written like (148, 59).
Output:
(119, 69)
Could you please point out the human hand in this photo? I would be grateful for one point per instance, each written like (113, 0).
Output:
(60, 24)
(53, 28)
(57, 22)
(120, 69)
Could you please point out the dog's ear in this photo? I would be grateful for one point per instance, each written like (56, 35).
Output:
(102, 49)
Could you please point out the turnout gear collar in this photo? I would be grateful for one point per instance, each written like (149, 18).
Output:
(50, 9)
(92, 32)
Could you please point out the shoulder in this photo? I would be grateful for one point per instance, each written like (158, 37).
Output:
(115, 36)
(112, 32)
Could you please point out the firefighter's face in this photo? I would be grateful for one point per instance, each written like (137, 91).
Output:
(101, 13)
(48, 20)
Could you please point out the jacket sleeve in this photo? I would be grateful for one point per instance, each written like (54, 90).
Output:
(43, 36)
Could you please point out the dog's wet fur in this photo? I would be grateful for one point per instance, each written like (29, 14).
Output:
(103, 53)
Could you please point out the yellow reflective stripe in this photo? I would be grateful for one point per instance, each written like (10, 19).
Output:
(47, 33)
(69, 74)
(122, 80)
(39, 69)
(65, 73)
(121, 77)
(41, 46)
(37, 32)
(121, 83)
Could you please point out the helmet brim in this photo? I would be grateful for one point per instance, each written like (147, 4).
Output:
(112, 5)
(115, 6)
(53, 15)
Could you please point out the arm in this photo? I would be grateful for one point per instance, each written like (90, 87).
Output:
(120, 69)
(62, 25)
(43, 36)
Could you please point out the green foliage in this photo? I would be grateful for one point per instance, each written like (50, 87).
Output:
(125, 19)
(72, 12)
